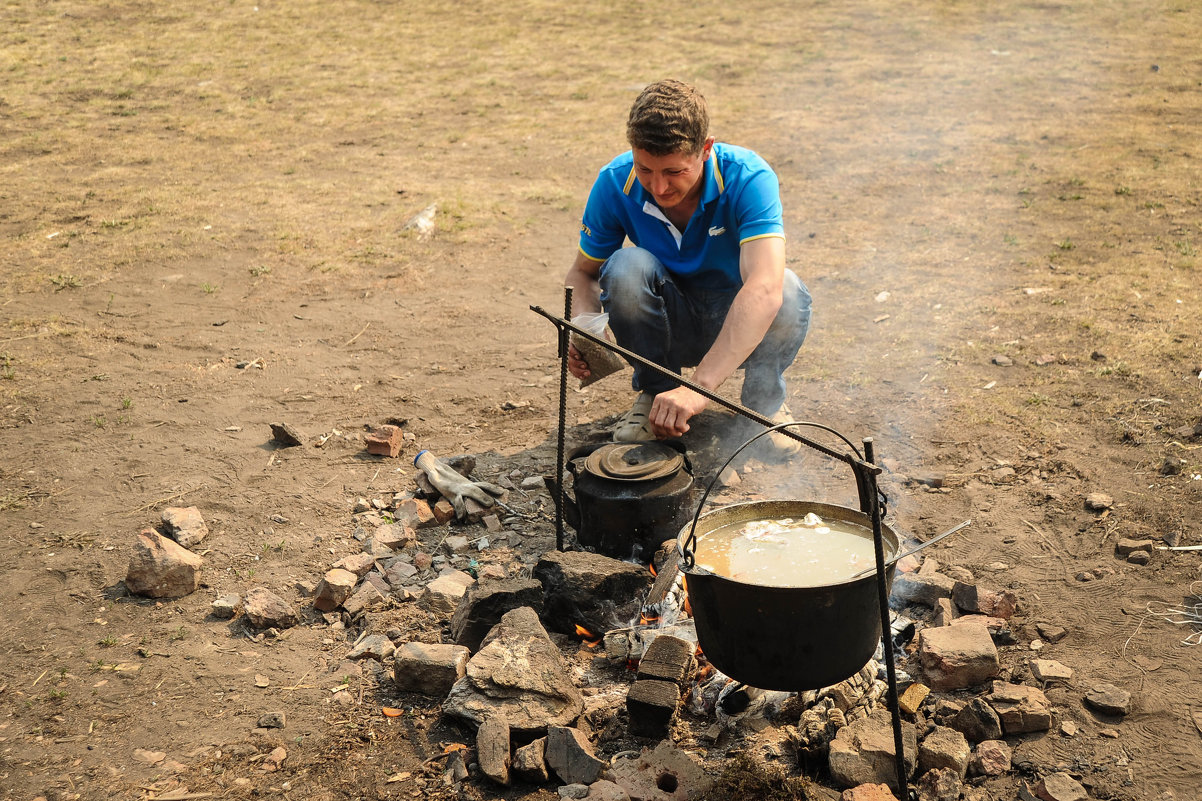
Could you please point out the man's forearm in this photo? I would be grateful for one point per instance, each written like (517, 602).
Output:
(750, 316)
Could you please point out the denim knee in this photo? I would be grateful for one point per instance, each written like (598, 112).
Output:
(625, 276)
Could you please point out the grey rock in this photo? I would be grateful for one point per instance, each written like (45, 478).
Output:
(225, 607)
(863, 753)
(570, 756)
(576, 790)
(272, 720)
(1051, 633)
(1047, 670)
(921, 589)
(1108, 699)
(430, 669)
(443, 593)
(185, 525)
(1126, 546)
(939, 784)
(264, 609)
(944, 748)
(591, 590)
(520, 673)
(530, 762)
(977, 721)
(492, 748)
(959, 656)
(1020, 708)
(285, 435)
(373, 646)
(483, 605)
(1060, 787)
(161, 568)
(366, 596)
(334, 588)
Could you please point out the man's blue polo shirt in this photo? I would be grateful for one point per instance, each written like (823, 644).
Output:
(740, 201)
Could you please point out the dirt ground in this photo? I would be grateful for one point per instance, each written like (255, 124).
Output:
(185, 188)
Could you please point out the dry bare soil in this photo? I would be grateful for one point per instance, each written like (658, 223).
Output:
(188, 187)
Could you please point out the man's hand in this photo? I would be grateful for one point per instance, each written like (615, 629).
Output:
(577, 366)
(671, 411)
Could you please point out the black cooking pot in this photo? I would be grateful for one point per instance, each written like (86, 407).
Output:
(629, 496)
(784, 638)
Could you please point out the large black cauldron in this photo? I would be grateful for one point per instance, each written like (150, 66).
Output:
(784, 638)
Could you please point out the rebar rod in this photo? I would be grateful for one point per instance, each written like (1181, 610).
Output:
(882, 591)
(560, 489)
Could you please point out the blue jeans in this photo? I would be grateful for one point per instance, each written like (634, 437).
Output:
(675, 325)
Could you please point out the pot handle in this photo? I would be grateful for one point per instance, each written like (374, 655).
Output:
(690, 542)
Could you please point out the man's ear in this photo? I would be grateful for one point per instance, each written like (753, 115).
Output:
(707, 147)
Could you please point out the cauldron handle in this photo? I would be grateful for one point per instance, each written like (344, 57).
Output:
(690, 542)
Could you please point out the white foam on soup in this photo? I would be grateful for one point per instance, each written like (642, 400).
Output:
(786, 552)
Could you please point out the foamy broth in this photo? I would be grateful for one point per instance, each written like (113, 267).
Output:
(787, 552)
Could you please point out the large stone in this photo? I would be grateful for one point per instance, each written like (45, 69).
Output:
(185, 525)
(990, 758)
(430, 669)
(483, 605)
(977, 721)
(1047, 670)
(357, 563)
(956, 657)
(924, 589)
(367, 595)
(1020, 708)
(161, 568)
(571, 757)
(492, 748)
(1060, 787)
(334, 588)
(264, 609)
(1108, 699)
(980, 601)
(395, 536)
(444, 593)
(530, 762)
(590, 590)
(373, 646)
(863, 752)
(940, 784)
(944, 748)
(518, 672)
(647, 775)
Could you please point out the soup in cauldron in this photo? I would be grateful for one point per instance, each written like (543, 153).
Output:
(787, 552)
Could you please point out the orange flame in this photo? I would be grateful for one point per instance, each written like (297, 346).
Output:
(590, 640)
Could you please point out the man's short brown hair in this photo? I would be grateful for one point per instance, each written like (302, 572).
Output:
(668, 116)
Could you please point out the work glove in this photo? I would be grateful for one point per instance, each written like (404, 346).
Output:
(453, 486)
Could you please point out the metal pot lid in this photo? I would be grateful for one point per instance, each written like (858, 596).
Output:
(634, 461)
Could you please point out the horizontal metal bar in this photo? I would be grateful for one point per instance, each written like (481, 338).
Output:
(715, 397)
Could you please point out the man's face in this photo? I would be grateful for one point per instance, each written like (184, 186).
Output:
(674, 178)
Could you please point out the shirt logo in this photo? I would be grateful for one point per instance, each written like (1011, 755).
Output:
(717, 230)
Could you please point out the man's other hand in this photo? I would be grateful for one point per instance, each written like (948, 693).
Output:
(577, 366)
(671, 411)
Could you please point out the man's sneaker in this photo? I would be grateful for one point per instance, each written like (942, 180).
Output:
(778, 444)
(634, 425)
